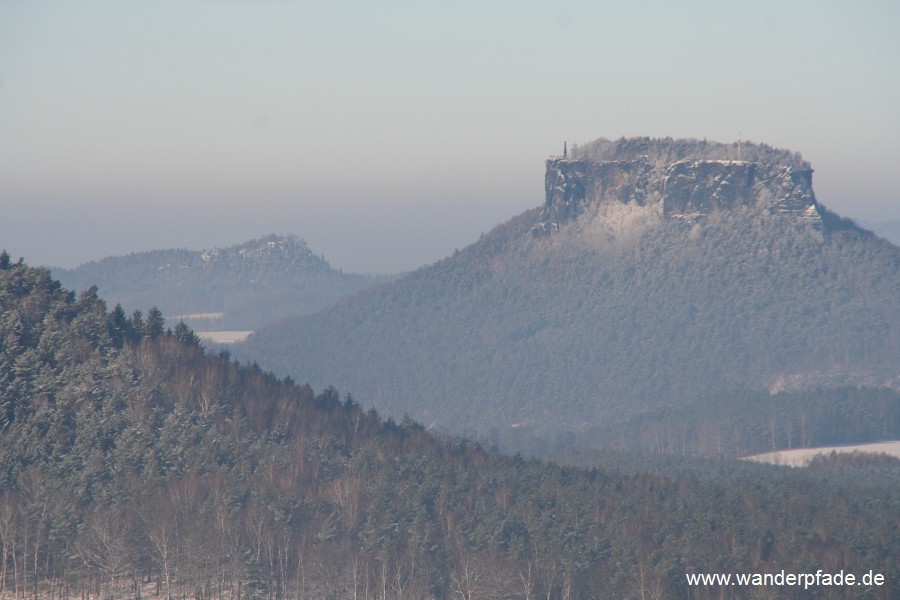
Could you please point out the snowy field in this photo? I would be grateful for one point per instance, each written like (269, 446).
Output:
(224, 337)
(206, 315)
(800, 457)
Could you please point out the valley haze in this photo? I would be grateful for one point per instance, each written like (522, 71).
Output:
(390, 135)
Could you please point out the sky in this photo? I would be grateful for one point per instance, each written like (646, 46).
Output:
(389, 134)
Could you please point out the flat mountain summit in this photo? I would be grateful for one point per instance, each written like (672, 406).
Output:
(658, 275)
(683, 179)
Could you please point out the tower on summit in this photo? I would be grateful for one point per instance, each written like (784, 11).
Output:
(565, 150)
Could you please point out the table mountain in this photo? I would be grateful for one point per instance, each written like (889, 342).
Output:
(657, 275)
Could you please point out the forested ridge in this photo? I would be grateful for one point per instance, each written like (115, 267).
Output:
(134, 463)
(620, 316)
(665, 151)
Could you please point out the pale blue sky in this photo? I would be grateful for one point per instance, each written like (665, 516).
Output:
(387, 134)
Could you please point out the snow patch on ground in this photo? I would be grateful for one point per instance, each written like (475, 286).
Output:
(609, 225)
(224, 337)
(801, 457)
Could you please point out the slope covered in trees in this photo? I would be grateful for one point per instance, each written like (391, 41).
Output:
(250, 284)
(132, 462)
(615, 300)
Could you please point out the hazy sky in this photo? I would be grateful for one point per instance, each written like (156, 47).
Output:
(389, 133)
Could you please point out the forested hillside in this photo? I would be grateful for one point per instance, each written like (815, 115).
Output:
(240, 287)
(134, 463)
(640, 288)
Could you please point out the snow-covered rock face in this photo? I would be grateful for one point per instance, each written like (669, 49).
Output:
(685, 189)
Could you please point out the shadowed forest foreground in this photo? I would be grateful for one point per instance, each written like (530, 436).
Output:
(132, 462)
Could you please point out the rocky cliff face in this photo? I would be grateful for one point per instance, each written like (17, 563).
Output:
(685, 187)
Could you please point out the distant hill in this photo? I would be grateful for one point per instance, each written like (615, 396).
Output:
(133, 463)
(658, 275)
(240, 287)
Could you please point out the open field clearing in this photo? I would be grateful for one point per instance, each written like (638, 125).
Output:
(206, 315)
(224, 337)
(800, 457)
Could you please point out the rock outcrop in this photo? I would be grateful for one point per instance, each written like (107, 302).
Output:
(682, 178)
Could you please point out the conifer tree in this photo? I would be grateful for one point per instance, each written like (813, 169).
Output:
(156, 324)
(186, 335)
(118, 326)
(137, 324)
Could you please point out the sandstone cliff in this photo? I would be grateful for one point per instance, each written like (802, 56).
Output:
(681, 178)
